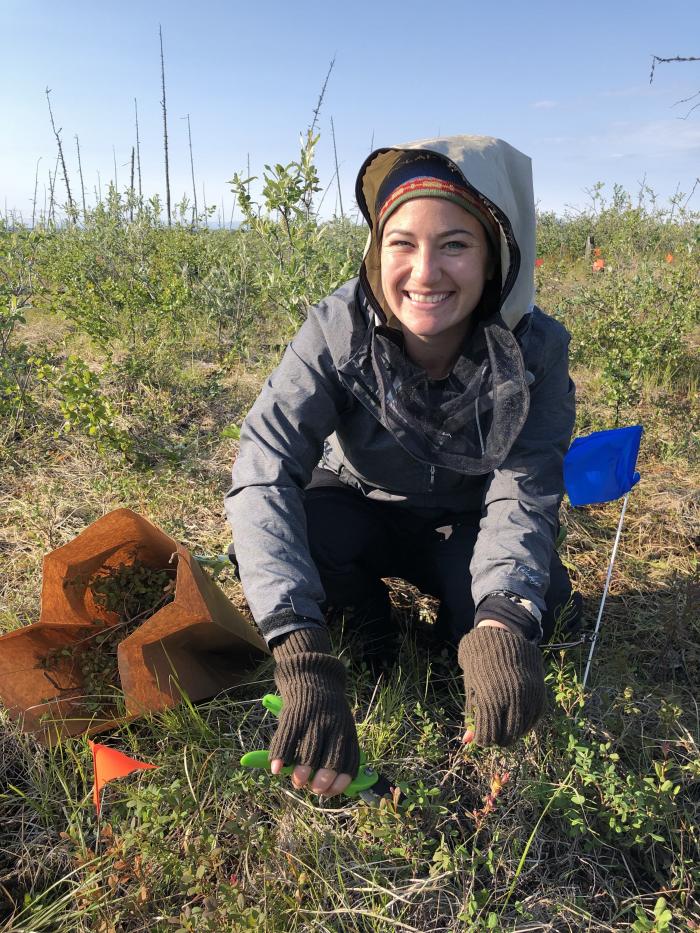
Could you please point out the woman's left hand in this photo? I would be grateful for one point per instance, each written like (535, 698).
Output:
(503, 684)
(470, 734)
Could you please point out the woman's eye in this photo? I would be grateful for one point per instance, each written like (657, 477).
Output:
(454, 245)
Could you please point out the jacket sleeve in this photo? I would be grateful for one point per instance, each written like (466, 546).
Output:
(520, 513)
(281, 443)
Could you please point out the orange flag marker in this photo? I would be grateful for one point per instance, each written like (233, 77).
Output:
(108, 764)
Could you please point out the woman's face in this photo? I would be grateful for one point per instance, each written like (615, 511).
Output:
(435, 261)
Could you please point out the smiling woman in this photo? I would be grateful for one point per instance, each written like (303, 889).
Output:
(415, 428)
(435, 263)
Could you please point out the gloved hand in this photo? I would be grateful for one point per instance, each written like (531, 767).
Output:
(316, 728)
(503, 684)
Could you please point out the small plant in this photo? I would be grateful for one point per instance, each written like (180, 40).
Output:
(133, 592)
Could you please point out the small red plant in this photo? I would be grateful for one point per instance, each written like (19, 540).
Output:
(538, 263)
(498, 782)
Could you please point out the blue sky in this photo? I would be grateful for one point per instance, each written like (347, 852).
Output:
(566, 83)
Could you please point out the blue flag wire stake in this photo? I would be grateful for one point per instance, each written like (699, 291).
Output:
(594, 638)
(600, 468)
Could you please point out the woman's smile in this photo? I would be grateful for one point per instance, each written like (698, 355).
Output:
(432, 298)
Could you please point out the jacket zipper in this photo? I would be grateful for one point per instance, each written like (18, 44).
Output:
(432, 476)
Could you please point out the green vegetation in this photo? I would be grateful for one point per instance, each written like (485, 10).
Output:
(129, 354)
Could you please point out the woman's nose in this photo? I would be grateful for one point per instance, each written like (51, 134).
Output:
(426, 268)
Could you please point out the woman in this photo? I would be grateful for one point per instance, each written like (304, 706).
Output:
(415, 427)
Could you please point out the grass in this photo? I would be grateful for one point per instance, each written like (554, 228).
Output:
(596, 827)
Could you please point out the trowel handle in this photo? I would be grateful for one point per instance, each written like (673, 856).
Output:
(363, 780)
(273, 703)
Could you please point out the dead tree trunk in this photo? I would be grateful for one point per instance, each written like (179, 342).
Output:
(80, 172)
(165, 129)
(57, 134)
(138, 147)
(36, 184)
(194, 186)
(337, 173)
(131, 188)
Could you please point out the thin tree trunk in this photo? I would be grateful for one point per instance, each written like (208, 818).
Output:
(52, 183)
(138, 147)
(57, 134)
(204, 200)
(99, 185)
(321, 96)
(80, 172)
(36, 183)
(194, 186)
(165, 129)
(116, 180)
(131, 187)
(337, 173)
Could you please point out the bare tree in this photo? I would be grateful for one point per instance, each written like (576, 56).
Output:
(337, 173)
(80, 173)
(165, 129)
(194, 186)
(57, 134)
(36, 183)
(138, 146)
(131, 187)
(52, 186)
(321, 96)
(656, 60)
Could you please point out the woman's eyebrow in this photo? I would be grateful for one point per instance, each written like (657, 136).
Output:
(457, 230)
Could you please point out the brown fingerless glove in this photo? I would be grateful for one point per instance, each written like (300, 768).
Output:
(316, 727)
(503, 684)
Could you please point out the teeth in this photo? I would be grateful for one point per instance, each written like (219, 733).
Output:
(428, 299)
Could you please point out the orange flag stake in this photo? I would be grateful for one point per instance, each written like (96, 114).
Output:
(108, 764)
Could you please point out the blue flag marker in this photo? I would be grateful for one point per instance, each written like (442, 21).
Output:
(601, 467)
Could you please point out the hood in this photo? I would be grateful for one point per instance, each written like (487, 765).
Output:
(500, 177)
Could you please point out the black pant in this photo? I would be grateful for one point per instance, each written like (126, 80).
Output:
(355, 541)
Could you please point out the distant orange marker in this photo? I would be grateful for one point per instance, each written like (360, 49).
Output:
(598, 265)
(538, 263)
(669, 257)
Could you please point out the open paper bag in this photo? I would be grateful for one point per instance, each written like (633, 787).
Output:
(198, 644)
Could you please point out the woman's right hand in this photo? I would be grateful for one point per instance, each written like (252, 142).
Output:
(325, 781)
(316, 729)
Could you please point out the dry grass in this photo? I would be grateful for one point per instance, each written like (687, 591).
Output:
(432, 866)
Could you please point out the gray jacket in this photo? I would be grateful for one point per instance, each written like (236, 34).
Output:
(316, 408)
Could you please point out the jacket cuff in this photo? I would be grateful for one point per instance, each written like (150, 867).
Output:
(513, 615)
(283, 621)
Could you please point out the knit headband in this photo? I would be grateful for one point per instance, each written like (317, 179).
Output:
(421, 176)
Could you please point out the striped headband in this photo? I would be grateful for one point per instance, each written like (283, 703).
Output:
(428, 186)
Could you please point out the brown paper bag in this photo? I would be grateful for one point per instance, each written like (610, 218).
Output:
(198, 644)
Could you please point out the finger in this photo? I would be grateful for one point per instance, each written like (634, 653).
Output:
(276, 765)
(323, 779)
(339, 785)
(468, 736)
(300, 775)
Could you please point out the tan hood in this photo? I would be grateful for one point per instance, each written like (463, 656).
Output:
(501, 177)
